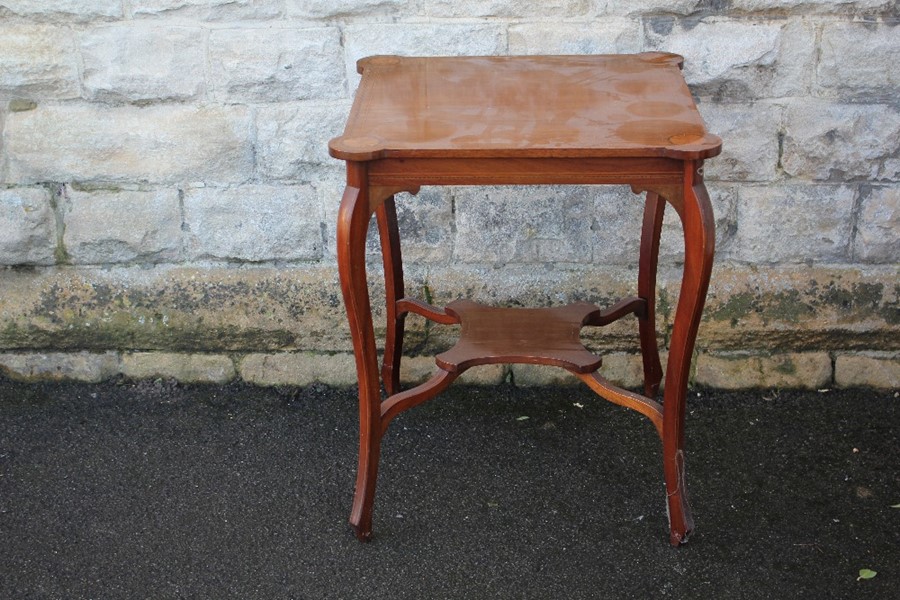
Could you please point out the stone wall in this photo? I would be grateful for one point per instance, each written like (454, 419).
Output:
(168, 203)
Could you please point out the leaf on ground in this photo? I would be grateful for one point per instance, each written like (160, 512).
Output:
(523, 418)
(895, 505)
(866, 574)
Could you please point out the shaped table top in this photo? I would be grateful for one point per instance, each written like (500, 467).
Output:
(627, 105)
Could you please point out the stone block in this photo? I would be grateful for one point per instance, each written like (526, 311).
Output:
(841, 142)
(418, 369)
(77, 9)
(37, 61)
(876, 371)
(276, 65)
(253, 223)
(298, 369)
(539, 375)
(59, 366)
(779, 7)
(625, 370)
(208, 309)
(724, 200)
(315, 9)
(739, 60)
(606, 36)
(510, 9)
(293, 138)
(122, 226)
(639, 8)
(858, 61)
(616, 218)
(807, 370)
(154, 144)
(27, 227)
(426, 39)
(330, 184)
(209, 10)
(878, 225)
(523, 225)
(793, 224)
(186, 368)
(796, 307)
(750, 140)
(426, 223)
(137, 63)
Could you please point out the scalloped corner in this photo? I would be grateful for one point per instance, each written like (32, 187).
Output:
(377, 60)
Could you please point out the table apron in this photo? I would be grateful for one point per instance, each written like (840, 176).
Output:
(523, 171)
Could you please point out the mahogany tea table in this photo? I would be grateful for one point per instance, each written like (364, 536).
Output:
(519, 120)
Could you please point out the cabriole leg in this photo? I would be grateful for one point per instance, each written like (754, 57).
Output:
(353, 221)
(699, 241)
(654, 209)
(386, 214)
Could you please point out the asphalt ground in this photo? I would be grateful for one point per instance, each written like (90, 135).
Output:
(158, 490)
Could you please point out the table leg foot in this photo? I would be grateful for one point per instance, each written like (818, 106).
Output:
(363, 534)
(681, 521)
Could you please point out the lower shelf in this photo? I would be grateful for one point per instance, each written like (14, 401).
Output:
(543, 336)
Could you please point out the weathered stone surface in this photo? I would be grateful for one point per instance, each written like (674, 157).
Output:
(878, 226)
(858, 61)
(271, 65)
(273, 309)
(536, 375)
(186, 368)
(211, 10)
(607, 36)
(616, 217)
(739, 60)
(135, 63)
(426, 224)
(418, 369)
(505, 8)
(627, 370)
(877, 371)
(298, 369)
(512, 224)
(58, 366)
(750, 140)
(724, 199)
(205, 309)
(650, 7)
(811, 223)
(426, 39)
(808, 370)
(78, 9)
(841, 142)
(795, 308)
(314, 9)
(155, 144)
(292, 138)
(810, 6)
(104, 227)
(27, 227)
(619, 368)
(37, 61)
(253, 223)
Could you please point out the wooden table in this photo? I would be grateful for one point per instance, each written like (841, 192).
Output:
(618, 119)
